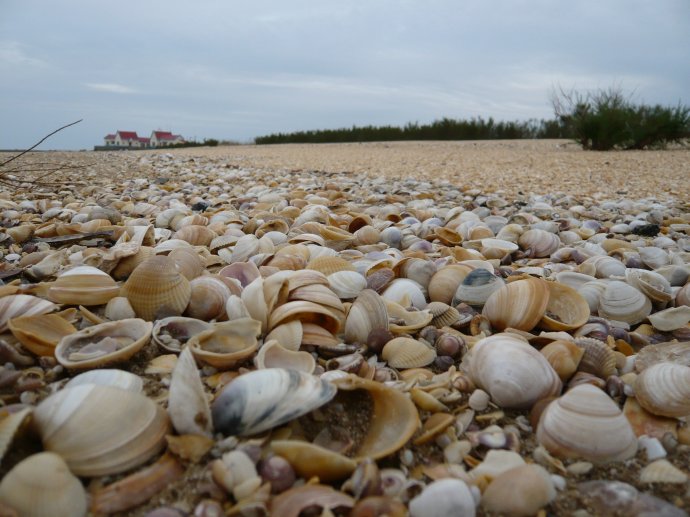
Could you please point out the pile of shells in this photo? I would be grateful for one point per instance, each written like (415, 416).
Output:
(206, 339)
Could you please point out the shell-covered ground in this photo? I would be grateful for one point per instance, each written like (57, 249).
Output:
(439, 328)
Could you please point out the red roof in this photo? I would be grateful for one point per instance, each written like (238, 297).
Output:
(144, 139)
(164, 135)
(110, 137)
(128, 135)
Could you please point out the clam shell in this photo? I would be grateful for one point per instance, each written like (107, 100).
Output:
(208, 297)
(566, 309)
(42, 486)
(83, 425)
(263, 399)
(108, 377)
(564, 357)
(195, 234)
(522, 490)
(226, 344)
(188, 262)
(540, 243)
(188, 406)
(520, 304)
(662, 471)
(306, 312)
(476, 288)
(405, 352)
(103, 344)
(585, 423)
(40, 333)
(512, 372)
(598, 359)
(669, 319)
(157, 289)
(664, 389)
(406, 292)
(403, 321)
(16, 305)
(172, 333)
(622, 302)
(330, 265)
(443, 497)
(368, 312)
(83, 285)
(273, 355)
(347, 284)
(445, 282)
(591, 292)
(119, 308)
(653, 257)
(650, 283)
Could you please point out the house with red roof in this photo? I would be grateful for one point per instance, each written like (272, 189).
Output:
(130, 139)
(165, 138)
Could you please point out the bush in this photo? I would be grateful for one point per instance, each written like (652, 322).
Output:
(607, 119)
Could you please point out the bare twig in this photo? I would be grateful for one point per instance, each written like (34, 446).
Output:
(39, 143)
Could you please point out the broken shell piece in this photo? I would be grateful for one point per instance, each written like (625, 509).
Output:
(311, 460)
(119, 308)
(662, 471)
(188, 406)
(521, 491)
(670, 319)
(172, 333)
(293, 502)
(226, 344)
(273, 355)
(40, 333)
(262, 399)
(103, 344)
(16, 305)
(404, 352)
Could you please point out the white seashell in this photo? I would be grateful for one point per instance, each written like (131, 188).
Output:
(514, 373)
(368, 312)
(16, 305)
(585, 423)
(650, 283)
(540, 243)
(664, 389)
(347, 284)
(109, 377)
(119, 308)
(591, 292)
(521, 490)
(670, 319)
(187, 403)
(273, 355)
(442, 498)
(653, 257)
(662, 471)
(476, 288)
(405, 292)
(263, 399)
(622, 302)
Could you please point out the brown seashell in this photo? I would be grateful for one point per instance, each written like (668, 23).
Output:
(103, 344)
(316, 335)
(188, 262)
(15, 305)
(292, 502)
(126, 265)
(519, 304)
(564, 357)
(306, 312)
(157, 289)
(443, 314)
(329, 265)
(404, 352)
(195, 234)
(366, 235)
(40, 333)
(319, 294)
(598, 359)
(540, 243)
(368, 312)
(664, 389)
(226, 344)
(379, 279)
(289, 335)
(208, 297)
(273, 355)
(566, 309)
(402, 321)
(83, 285)
(445, 282)
(172, 333)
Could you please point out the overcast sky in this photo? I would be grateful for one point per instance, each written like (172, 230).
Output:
(239, 69)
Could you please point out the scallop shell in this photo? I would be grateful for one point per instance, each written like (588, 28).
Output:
(42, 486)
(664, 389)
(226, 344)
(330, 265)
(40, 333)
(172, 333)
(368, 312)
(188, 406)
(405, 352)
(347, 284)
(520, 304)
(622, 302)
(109, 377)
(566, 310)
(273, 355)
(16, 305)
(585, 423)
(540, 243)
(103, 344)
(83, 285)
(263, 399)
(512, 372)
(84, 425)
(598, 359)
(476, 288)
(157, 289)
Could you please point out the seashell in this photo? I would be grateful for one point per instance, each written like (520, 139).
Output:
(188, 262)
(405, 352)
(662, 471)
(622, 302)
(293, 502)
(512, 372)
(157, 289)
(243, 272)
(445, 282)
(566, 310)
(573, 279)
(522, 490)
(520, 304)
(83, 425)
(119, 308)
(16, 305)
(108, 377)
(263, 399)
(476, 288)
(650, 283)
(591, 292)
(245, 247)
(443, 314)
(226, 344)
(683, 295)
(126, 265)
(187, 403)
(403, 321)
(273, 355)
(672, 352)
(664, 389)
(419, 270)
(539, 243)
(195, 234)
(103, 344)
(669, 319)
(443, 497)
(316, 335)
(319, 294)
(347, 284)
(564, 357)
(42, 486)
(172, 333)
(379, 279)
(12, 424)
(187, 220)
(330, 265)
(40, 333)
(83, 285)
(368, 312)
(21, 233)
(674, 274)
(597, 359)
(306, 312)
(653, 257)
(208, 297)
(604, 266)
(585, 423)
(405, 292)
(496, 248)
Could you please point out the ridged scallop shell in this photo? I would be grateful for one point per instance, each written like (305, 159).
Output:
(514, 373)
(263, 399)
(520, 304)
(83, 285)
(445, 282)
(540, 242)
(585, 423)
(42, 486)
(476, 288)
(330, 265)
(598, 359)
(347, 284)
(622, 302)
(564, 357)
(103, 344)
(84, 425)
(664, 389)
(172, 333)
(406, 292)
(112, 377)
(566, 310)
(41, 333)
(443, 314)
(126, 265)
(368, 312)
(16, 305)
(405, 352)
(157, 289)
(273, 355)
(188, 262)
(188, 406)
(226, 344)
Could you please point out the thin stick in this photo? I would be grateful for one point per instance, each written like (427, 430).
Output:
(38, 143)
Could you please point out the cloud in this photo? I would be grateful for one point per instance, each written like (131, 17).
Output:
(111, 88)
(13, 53)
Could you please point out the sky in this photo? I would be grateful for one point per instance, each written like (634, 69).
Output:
(234, 70)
